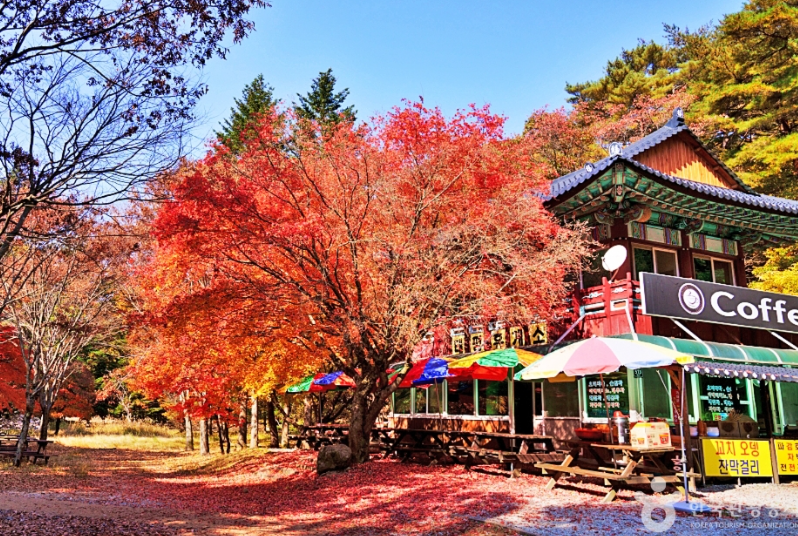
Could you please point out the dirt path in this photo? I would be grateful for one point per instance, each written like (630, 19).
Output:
(124, 519)
(129, 492)
(189, 523)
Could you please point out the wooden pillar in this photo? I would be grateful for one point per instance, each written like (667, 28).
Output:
(686, 266)
(767, 408)
(620, 234)
(740, 278)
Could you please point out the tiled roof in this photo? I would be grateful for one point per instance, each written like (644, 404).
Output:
(570, 181)
(674, 126)
(756, 200)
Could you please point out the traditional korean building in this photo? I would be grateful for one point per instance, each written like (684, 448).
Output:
(678, 211)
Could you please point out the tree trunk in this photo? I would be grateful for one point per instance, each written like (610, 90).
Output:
(203, 433)
(22, 442)
(219, 432)
(43, 429)
(284, 429)
(242, 426)
(227, 438)
(189, 432)
(308, 415)
(274, 441)
(253, 424)
(57, 425)
(361, 421)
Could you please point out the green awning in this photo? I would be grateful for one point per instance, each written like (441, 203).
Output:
(717, 351)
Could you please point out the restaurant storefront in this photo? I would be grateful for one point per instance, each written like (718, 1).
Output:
(685, 221)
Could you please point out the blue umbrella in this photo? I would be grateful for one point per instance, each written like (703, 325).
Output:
(435, 371)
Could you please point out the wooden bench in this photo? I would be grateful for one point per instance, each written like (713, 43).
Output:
(30, 455)
(631, 474)
(523, 451)
(8, 449)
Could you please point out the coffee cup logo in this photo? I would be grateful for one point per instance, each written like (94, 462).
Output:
(691, 298)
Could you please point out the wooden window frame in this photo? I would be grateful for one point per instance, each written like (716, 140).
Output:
(712, 264)
(653, 249)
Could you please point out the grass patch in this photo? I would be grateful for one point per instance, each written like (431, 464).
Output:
(196, 464)
(114, 427)
(106, 441)
(113, 434)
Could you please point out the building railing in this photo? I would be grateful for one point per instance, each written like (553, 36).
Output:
(611, 308)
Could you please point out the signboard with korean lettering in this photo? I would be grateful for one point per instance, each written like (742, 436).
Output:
(458, 343)
(497, 340)
(538, 333)
(787, 456)
(516, 337)
(616, 392)
(475, 340)
(736, 458)
(719, 396)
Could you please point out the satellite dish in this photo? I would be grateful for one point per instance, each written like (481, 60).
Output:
(614, 258)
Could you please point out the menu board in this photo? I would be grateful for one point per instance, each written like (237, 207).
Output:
(787, 456)
(736, 457)
(616, 390)
(719, 397)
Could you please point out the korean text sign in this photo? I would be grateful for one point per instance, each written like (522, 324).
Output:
(787, 456)
(736, 457)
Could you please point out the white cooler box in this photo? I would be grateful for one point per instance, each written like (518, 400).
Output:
(651, 435)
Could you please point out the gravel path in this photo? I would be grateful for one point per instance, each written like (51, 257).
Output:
(33, 524)
(752, 509)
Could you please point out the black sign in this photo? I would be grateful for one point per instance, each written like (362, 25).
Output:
(690, 299)
(614, 390)
(719, 396)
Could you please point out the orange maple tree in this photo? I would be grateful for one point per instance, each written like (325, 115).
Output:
(562, 141)
(353, 243)
(200, 345)
(12, 372)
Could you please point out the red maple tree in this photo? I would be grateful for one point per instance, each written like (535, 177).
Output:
(359, 240)
(12, 372)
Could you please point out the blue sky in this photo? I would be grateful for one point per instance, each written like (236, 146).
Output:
(515, 55)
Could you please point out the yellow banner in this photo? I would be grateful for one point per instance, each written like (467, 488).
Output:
(787, 456)
(736, 457)
(539, 333)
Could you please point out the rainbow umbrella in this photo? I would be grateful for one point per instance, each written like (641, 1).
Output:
(335, 380)
(601, 355)
(493, 364)
(425, 371)
(321, 382)
(435, 370)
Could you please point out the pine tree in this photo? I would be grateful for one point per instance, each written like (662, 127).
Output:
(742, 78)
(745, 77)
(322, 104)
(648, 69)
(257, 98)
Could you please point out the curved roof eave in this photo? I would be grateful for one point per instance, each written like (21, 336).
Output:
(574, 181)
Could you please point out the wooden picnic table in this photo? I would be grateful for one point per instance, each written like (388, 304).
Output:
(316, 435)
(638, 466)
(517, 449)
(435, 443)
(8, 448)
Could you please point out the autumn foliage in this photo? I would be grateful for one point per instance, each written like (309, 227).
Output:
(12, 372)
(345, 246)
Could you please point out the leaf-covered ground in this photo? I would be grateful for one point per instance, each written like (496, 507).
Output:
(88, 492)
